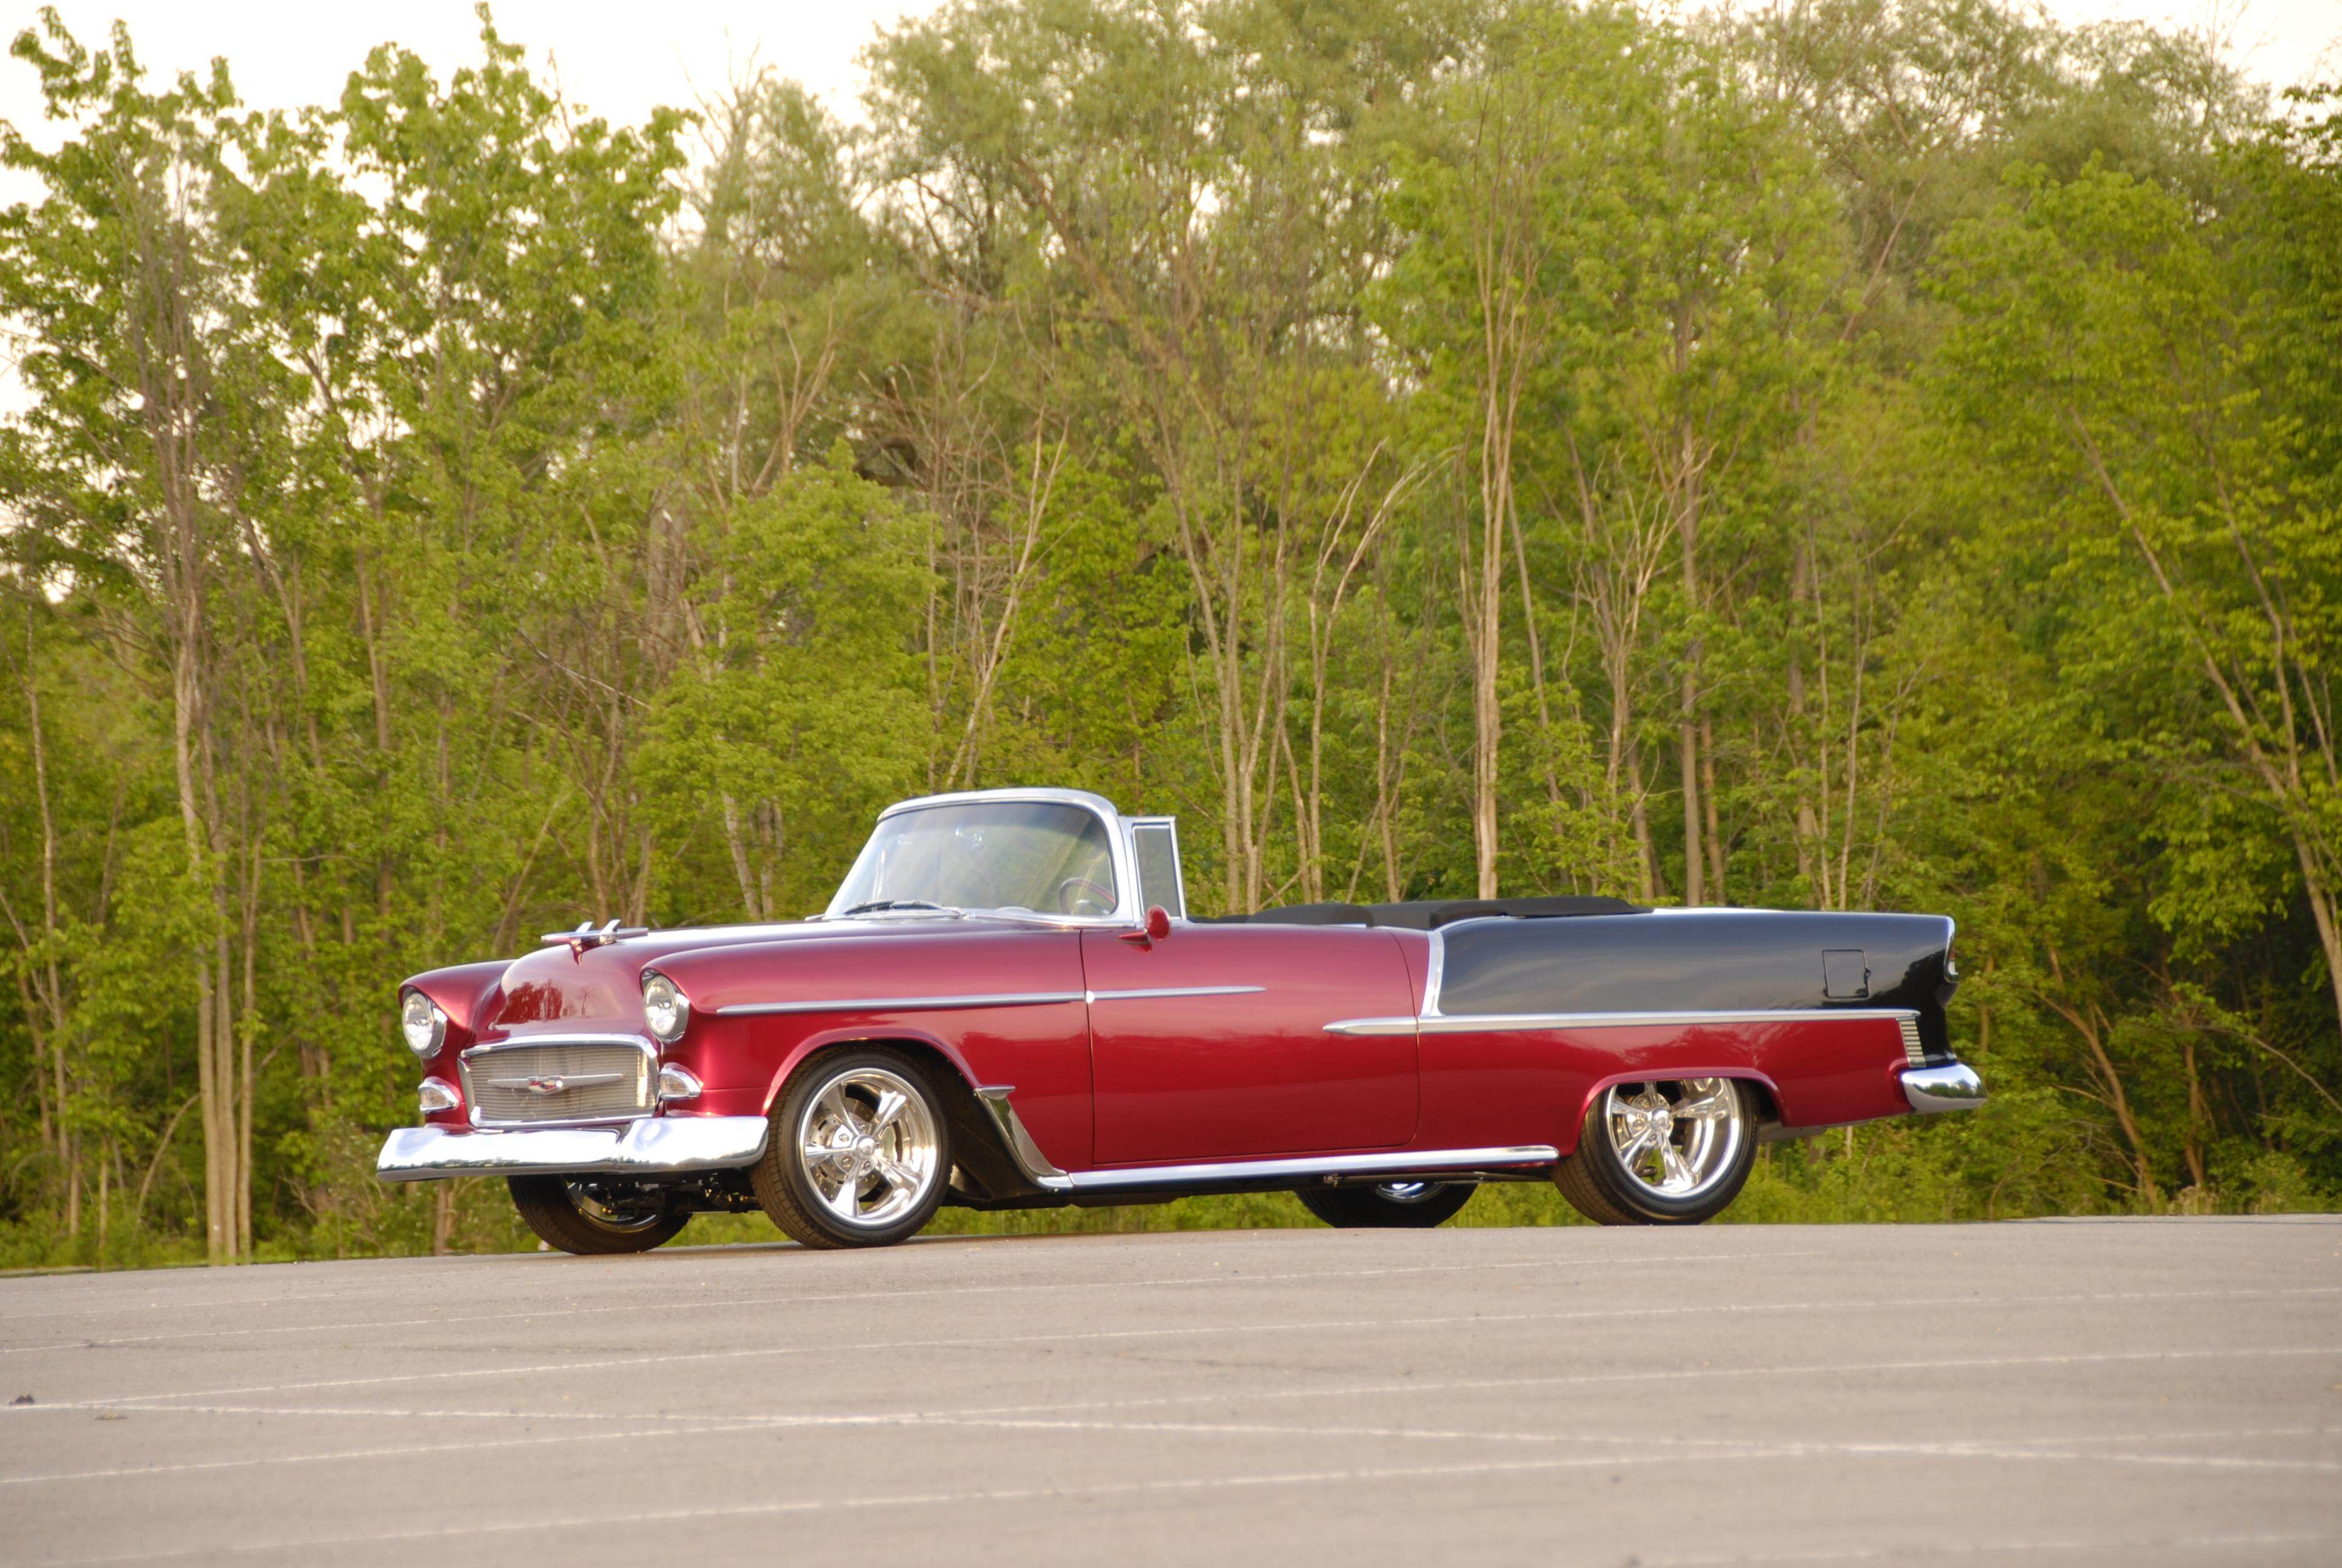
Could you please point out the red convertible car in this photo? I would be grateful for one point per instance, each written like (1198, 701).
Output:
(1006, 1006)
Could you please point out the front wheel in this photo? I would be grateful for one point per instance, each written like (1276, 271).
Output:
(1667, 1153)
(859, 1152)
(1388, 1205)
(591, 1217)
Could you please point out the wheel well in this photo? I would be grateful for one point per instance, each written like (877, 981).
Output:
(987, 1172)
(1769, 1108)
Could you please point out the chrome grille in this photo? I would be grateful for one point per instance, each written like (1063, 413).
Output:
(560, 1081)
(1911, 1046)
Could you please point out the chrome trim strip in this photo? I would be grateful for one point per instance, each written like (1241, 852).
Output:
(650, 1147)
(565, 1037)
(899, 1003)
(1372, 1026)
(1913, 1052)
(1146, 992)
(1515, 1023)
(1519, 1022)
(1028, 1153)
(1425, 1160)
(1951, 1088)
(1434, 972)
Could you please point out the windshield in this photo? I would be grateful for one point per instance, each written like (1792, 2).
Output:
(1033, 856)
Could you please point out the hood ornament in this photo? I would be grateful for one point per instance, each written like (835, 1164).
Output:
(588, 935)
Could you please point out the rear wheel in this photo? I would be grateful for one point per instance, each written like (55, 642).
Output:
(581, 1214)
(1390, 1205)
(1667, 1153)
(860, 1151)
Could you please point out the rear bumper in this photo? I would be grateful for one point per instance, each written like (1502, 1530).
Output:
(653, 1146)
(1955, 1087)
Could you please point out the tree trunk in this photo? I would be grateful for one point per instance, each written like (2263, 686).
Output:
(1687, 728)
(1808, 828)
(1713, 835)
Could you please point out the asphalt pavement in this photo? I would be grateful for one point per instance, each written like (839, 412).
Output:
(2071, 1393)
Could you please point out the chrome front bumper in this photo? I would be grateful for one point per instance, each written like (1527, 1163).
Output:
(653, 1146)
(1951, 1088)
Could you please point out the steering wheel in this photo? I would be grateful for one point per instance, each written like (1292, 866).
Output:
(1070, 890)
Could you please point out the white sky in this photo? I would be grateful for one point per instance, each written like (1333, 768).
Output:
(620, 60)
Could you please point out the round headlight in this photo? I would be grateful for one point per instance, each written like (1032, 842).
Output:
(666, 1007)
(425, 1026)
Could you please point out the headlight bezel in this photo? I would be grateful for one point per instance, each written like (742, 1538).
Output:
(427, 1023)
(662, 997)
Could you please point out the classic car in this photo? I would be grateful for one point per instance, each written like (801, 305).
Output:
(1007, 1005)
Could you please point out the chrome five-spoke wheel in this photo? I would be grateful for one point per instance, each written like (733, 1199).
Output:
(859, 1152)
(1671, 1151)
(1676, 1148)
(869, 1146)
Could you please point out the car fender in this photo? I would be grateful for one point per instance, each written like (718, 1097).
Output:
(860, 1034)
(1566, 1142)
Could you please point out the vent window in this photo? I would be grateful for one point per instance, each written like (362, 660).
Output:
(1156, 845)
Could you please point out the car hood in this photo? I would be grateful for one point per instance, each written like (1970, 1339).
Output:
(563, 985)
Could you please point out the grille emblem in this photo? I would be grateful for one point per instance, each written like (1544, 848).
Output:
(555, 1082)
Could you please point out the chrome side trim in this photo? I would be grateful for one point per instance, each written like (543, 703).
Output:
(650, 1147)
(1372, 1026)
(1913, 1051)
(1423, 1161)
(1953, 1088)
(1144, 993)
(1519, 1023)
(900, 1003)
(1028, 1153)
(1515, 1023)
(1434, 972)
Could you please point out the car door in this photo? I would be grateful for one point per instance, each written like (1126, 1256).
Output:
(1211, 1042)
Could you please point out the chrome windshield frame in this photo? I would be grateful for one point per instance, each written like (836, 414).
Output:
(1119, 849)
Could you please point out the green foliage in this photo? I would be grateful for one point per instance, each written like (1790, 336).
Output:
(1872, 455)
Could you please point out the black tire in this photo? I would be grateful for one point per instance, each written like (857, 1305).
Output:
(1599, 1184)
(1389, 1205)
(787, 1184)
(591, 1218)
